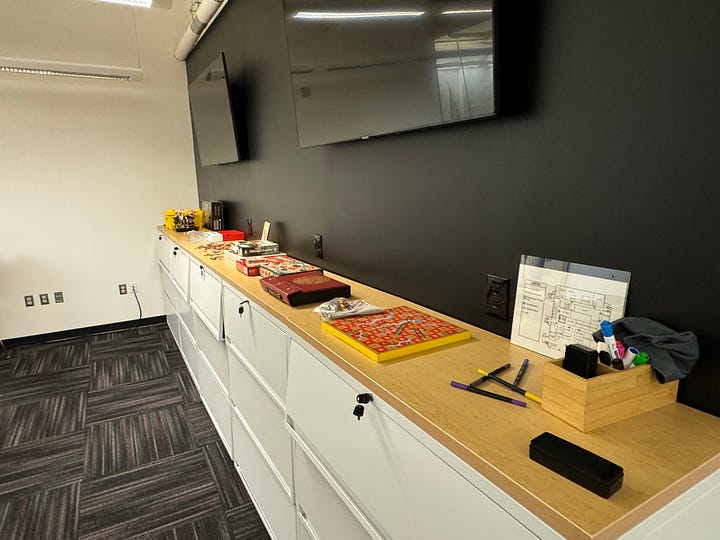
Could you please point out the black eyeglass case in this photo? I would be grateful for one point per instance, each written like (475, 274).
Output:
(581, 466)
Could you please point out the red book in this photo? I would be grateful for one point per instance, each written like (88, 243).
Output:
(304, 288)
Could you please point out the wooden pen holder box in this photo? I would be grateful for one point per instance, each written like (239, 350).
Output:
(609, 397)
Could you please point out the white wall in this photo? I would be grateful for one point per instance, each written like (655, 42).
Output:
(87, 169)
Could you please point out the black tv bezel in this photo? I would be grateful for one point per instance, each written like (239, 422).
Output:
(414, 129)
(234, 113)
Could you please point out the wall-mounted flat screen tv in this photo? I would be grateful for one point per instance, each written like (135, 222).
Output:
(362, 68)
(211, 109)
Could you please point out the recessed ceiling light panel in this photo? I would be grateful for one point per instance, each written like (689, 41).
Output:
(349, 15)
(133, 3)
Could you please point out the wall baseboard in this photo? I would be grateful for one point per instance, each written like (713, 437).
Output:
(77, 332)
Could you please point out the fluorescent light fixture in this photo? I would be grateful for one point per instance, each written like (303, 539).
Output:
(468, 66)
(466, 11)
(30, 71)
(30, 66)
(134, 3)
(349, 15)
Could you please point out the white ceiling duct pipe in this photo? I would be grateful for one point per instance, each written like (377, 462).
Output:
(205, 11)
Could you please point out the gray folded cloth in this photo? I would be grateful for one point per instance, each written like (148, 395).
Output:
(672, 354)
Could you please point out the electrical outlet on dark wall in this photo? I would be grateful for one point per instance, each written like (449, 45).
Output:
(498, 296)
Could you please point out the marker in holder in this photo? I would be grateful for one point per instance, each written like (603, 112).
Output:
(629, 357)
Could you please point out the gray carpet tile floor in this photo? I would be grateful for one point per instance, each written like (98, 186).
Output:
(105, 437)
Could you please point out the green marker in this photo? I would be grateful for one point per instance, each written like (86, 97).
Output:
(641, 358)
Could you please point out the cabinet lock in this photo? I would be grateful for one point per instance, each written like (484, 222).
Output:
(364, 398)
(241, 308)
(358, 411)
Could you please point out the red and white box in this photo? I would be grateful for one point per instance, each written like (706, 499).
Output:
(250, 266)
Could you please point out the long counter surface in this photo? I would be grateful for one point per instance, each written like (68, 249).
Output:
(663, 452)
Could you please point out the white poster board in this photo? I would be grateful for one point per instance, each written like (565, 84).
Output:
(559, 303)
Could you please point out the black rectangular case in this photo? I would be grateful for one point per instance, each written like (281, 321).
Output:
(586, 469)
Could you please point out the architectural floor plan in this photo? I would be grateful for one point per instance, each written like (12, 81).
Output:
(560, 303)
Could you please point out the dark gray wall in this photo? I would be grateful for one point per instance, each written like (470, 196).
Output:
(605, 153)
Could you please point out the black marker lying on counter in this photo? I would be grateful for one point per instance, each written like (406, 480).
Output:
(511, 386)
(485, 393)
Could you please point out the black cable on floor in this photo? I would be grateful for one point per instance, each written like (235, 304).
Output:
(138, 303)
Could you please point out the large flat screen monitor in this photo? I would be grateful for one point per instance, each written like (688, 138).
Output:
(211, 109)
(362, 68)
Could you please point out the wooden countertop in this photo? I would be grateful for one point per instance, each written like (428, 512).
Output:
(663, 452)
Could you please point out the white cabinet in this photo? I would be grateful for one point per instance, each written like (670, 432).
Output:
(206, 297)
(274, 505)
(188, 349)
(180, 272)
(215, 351)
(254, 335)
(324, 511)
(264, 418)
(405, 489)
(172, 319)
(164, 251)
(216, 400)
(168, 287)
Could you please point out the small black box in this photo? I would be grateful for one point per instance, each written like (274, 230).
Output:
(586, 469)
(581, 360)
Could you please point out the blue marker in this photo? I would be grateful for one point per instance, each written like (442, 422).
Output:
(609, 337)
(519, 376)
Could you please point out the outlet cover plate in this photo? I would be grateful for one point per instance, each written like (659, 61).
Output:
(318, 245)
(498, 296)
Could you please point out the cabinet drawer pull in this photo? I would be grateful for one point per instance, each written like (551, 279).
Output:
(241, 308)
(364, 398)
(202, 271)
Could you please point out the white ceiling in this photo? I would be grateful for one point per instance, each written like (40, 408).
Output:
(69, 31)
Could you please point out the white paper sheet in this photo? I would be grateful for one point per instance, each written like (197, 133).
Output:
(559, 303)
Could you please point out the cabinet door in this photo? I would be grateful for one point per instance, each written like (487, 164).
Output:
(184, 310)
(164, 251)
(254, 336)
(264, 418)
(215, 351)
(405, 489)
(188, 348)
(172, 319)
(180, 272)
(216, 400)
(274, 506)
(206, 297)
(168, 287)
(321, 510)
(304, 532)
